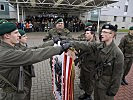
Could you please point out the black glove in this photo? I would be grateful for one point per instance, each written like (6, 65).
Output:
(64, 41)
(45, 39)
(109, 93)
(56, 39)
(65, 47)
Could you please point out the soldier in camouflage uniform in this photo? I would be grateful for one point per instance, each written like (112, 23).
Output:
(87, 65)
(58, 31)
(12, 75)
(29, 69)
(22, 45)
(88, 25)
(109, 63)
(126, 45)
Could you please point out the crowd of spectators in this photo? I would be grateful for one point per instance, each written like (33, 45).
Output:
(43, 24)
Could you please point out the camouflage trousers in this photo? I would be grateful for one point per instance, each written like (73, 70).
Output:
(127, 65)
(86, 81)
(100, 94)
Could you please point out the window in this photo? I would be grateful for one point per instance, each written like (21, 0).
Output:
(124, 19)
(126, 8)
(2, 7)
(115, 18)
(132, 19)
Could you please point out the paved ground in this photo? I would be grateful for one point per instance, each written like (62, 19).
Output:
(126, 92)
(42, 90)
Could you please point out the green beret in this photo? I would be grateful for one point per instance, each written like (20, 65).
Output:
(89, 29)
(131, 28)
(59, 20)
(21, 32)
(88, 24)
(110, 27)
(7, 27)
(3, 21)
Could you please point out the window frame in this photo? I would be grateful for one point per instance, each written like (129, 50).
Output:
(115, 18)
(124, 19)
(1, 4)
(125, 8)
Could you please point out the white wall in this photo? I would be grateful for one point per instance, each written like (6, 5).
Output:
(117, 9)
(12, 12)
(119, 22)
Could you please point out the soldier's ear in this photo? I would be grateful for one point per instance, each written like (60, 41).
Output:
(114, 34)
(7, 36)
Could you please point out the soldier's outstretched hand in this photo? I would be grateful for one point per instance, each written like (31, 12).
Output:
(56, 39)
(64, 41)
(65, 47)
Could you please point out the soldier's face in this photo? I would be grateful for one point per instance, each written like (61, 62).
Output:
(23, 39)
(106, 35)
(131, 32)
(13, 37)
(88, 35)
(60, 25)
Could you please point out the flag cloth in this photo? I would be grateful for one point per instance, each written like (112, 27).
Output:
(63, 76)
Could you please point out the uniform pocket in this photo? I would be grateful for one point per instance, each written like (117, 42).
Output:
(103, 82)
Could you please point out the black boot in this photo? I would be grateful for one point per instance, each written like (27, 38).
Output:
(85, 96)
(124, 80)
(88, 98)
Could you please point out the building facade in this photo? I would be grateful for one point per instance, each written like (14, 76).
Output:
(7, 11)
(4, 9)
(120, 13)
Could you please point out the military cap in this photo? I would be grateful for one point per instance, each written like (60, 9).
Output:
(110, 27)
(22, 32)
(59, 20)
(88, 24)
(131, 28)
(3, 21)
(7, 27)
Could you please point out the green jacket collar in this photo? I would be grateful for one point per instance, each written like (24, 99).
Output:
(4, 44)
(106, 49)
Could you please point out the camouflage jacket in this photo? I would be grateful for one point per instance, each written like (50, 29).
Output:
(126, 45)
(29, 69)
(11, 59)
(112, 55)
(87, 59)
(64, 34)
